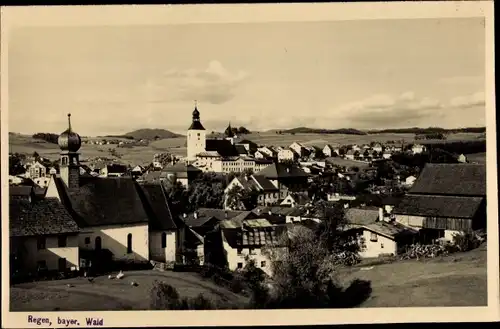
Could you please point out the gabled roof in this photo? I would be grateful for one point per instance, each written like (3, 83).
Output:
(116, 168)
(268, 236)
(158, 208)
(20, 190)
(391, 230)
(280, 170)
(359, 216)
(222, 146)
(240, 149)
(439, 206)
(104, 201)
(43, 217)
(204, 215)
(451, 179)
(264, 183)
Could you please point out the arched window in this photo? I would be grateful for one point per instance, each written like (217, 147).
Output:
(98, 243)
(164, 240)
(129, 243)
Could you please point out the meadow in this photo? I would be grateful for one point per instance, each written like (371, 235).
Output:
(441, 281)
(144, 154)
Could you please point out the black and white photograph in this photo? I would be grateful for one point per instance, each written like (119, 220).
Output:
(217, 165)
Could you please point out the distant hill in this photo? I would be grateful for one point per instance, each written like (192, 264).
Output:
(305, 130)
(430, 130)
(151, 134)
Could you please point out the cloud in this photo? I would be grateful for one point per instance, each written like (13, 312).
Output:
(468, 101)
(214, 85)
(389, 110)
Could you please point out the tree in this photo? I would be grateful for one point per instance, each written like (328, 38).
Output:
(16, 165)
(239, 198)
(243, 131)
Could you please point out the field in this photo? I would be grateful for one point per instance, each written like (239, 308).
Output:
(105, 294)
(144, 154)
(457, 280)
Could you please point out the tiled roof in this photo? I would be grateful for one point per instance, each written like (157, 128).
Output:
(439, 206)
(43, 217)
(206, 214)
(105, 201)
(196, 125)
(222, 146)
(116, 168)
(264, 183)
(359, 216)
(269, 236)
(280, 170)
(20, 190)
(392, 230)
(157, 206)
(240, 149)
(276, 210)
(451, 179)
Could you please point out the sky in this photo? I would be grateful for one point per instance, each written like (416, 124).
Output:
(371, 74)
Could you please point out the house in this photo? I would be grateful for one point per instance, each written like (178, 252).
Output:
(298, 148)
(377, 148)
(410, 180)
(462, 158)
(261, 155)
(205, 220)
(286, 155)
(250, 146)
(37, 169)
(260, 164)
(113, 170)
(355, 147)
(418, 148)
(330, 151)
(267, 152)
(378, 237)
(446, 199)
(387, 154)
(181, 172)
(287, 178)
(137, 171)
(268, 193)
(351, 154)
(296, 199)
(16, 180)
(113, 213)
(43, 235)
(249, 242)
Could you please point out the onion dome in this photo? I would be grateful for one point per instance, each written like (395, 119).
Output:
(196, 124)
(69, 140)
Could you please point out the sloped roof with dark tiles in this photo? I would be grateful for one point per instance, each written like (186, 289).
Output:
(241, 149)
(359, 216)
(106, 201)
(206, 214)
(280, 170)
(268, 236)
(157, 205)
(391, 230)
(275, 210)
(116, 168)
(451, 179)
(43, 217)
(438, 206)
(20, 190)
(264, 183)
(224, 147)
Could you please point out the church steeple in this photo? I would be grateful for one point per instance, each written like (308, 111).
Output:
(69, 166)
(196, 124)
(229, 131)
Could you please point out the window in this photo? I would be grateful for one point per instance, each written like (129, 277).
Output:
(61, 241)
(240, 251)
(41, 243)
(240, 265)
(373, 237)
(41, 264)
(263, 264)
(98, 243)
(87, 240)
(129, 243)
(62, 264)
(252, 251)
(381, 246)
(164, 240)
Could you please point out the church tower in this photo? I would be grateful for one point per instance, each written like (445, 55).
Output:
(69, 166)
(196, 136)
(229, 134)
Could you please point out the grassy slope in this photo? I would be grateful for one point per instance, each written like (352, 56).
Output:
(105, 294)
(436, 282)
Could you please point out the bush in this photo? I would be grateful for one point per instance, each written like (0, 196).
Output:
(166, 297)
(237, 284)
(466, 241)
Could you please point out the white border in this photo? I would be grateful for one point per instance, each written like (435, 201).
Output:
(188, 14)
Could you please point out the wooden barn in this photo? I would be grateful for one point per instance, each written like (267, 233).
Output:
(446, 199)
